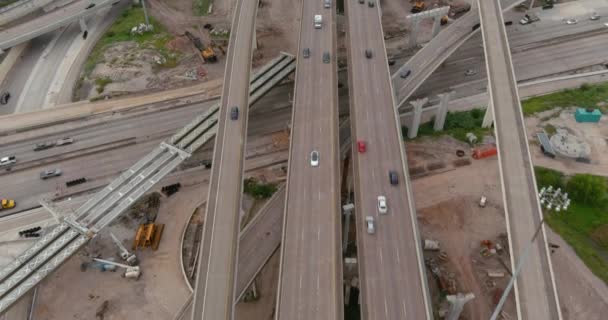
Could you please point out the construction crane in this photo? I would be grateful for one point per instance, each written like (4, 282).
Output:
(125, 255)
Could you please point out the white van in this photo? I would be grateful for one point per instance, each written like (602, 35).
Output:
(318, 21)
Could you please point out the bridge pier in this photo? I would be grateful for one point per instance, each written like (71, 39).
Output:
(488, 117)
(412, 130)
(83, 25)
(442, 111)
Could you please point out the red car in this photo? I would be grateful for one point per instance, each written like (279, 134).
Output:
(361, 146)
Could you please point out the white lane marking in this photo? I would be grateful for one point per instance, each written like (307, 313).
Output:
(404, 311)
(385, 310)
(381, 259)
(398, 257)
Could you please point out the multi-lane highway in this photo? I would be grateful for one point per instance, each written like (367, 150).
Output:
(391, 267)
(311, 269)
(216, 275)
(535, 290)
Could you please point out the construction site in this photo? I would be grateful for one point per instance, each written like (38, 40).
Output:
(145, 263)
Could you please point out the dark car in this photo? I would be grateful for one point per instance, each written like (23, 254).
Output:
(90, 6)
(368, 53)
(391, 62)
(361, 1)
(43, 146)
(393, 178)
(370, 4)
(5, 97)
(326, 57)
(234, 113)
(475, 27)
(405, 73)
(306, 52)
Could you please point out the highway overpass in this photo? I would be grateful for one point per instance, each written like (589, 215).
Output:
(391, 266)
(51, 21)
(216, 274)
(535, 290)
(310, 276)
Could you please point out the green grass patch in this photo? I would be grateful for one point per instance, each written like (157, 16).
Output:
(101, 84)
(201, 7)
(457, 125)
(583, 226)
(550, 129)
(259, 190)
(121, 31)
(586, 96)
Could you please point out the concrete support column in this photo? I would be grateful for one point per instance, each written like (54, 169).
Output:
(442, 111)
(436, 25)
(83, 25)
(488, 118)
(415, 22)
(412, 131)
(348, 210)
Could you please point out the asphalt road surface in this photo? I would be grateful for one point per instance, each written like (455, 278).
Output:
(536, 295)
(310, 285)
(216, 276)
(391, 269)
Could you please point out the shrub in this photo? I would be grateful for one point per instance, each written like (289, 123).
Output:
(587, 189)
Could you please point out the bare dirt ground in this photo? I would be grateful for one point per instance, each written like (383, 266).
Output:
(595, 134)
(277, 27)
(448, 212)
(158, 294)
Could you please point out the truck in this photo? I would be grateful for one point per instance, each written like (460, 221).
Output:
(528, 18)
(318, 21)
(7, 204)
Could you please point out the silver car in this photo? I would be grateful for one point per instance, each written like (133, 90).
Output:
(327, 4)
(371, 228)
(64, 141)
(50, 173)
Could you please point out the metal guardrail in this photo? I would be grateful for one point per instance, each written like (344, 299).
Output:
(14, 5)
(64, 240)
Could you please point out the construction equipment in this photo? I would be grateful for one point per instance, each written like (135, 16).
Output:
(148, 235)
(419, 6)
(209, 55)
(484, 151)
(444, 20)
(7, 204)
(131, 272)
(125, 255)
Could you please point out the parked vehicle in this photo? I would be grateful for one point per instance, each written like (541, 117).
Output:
(318, 22)
(7, 204)
(314, 158)
(7, 161)
(371, 229)
(382, 206)
(234, 113)
(50, 173)
(393, 178)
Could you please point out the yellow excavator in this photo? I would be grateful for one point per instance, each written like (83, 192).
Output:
(419, 6)
(207, 53)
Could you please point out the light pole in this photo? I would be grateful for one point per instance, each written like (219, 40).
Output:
(552, 199)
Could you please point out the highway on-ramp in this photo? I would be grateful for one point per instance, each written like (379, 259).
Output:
(535, 291)
(391, 267)
(215, 282)
(310, 285)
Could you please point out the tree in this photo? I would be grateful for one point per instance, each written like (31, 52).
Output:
(587, 189)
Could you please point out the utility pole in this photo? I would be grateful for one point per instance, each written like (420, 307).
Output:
(143, 4)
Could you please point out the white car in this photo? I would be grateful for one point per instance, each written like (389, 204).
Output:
(314, 158)
(6, 161)
(382, 207)
(594, 16)
(571, 21)
(64, 141)
(371, 229)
